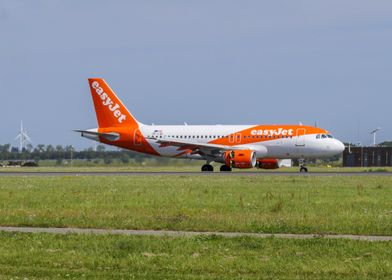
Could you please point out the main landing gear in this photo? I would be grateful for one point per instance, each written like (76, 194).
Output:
(225, 168)
(207, 168)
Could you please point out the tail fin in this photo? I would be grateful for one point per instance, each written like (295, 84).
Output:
(108, 107)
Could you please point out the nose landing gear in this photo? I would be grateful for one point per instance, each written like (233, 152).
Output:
(303, 169)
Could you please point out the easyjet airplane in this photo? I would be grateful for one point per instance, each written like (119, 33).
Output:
(235, 146)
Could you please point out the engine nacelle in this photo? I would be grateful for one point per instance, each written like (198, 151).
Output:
(268, 163)
(240, 158)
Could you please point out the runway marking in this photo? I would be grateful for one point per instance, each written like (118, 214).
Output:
(171, 173)
(191, 233)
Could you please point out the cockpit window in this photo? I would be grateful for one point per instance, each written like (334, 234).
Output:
(324, 136)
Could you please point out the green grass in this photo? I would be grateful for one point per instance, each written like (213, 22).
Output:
(108, 168)
(44, 256)
(272, 204)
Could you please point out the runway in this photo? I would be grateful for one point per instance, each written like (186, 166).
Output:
(137, 173)
(190, 233)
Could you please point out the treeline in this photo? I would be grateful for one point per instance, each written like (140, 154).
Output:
(386, 144)
(60, 153)
(382, 144)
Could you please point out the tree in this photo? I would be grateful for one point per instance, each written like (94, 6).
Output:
(100, 148)
(386, 144)
(124, 158)
(59, 149)
(41, 148)
(29, 148)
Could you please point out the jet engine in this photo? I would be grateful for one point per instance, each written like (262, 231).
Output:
(268, 163)
(240, 158)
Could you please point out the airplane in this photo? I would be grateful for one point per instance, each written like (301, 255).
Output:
(234, 146)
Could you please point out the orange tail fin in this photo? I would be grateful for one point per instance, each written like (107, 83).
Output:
(108, 107)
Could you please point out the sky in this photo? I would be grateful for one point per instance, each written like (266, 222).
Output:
(200, 62)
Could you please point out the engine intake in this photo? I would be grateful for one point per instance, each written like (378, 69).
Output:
(240, 158)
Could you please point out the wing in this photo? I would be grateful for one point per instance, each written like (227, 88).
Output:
(204, 149)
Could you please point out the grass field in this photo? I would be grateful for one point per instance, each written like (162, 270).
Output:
(272, 204)
(44, 256)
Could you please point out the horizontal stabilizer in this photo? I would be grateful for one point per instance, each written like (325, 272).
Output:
(93, 134)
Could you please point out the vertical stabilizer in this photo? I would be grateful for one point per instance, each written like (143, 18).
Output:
(109, 109)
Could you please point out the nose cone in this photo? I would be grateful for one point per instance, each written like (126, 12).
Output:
(338, 146)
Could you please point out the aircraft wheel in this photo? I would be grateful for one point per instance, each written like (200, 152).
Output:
(225, 168)
(207, 168)
(303, 169)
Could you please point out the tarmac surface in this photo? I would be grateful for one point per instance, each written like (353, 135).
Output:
(190, 233)
(134, 173)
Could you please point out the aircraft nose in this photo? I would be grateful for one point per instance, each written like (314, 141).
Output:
(339, 146)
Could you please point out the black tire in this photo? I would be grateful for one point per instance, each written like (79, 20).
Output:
(303, 169)
(207, 168)
(225, 168)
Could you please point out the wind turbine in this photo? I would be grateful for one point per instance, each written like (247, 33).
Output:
(22, 137)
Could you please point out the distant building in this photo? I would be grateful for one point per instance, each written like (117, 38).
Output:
(286, 163)
(367, 156)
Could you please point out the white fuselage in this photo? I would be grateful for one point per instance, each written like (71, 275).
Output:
(295, 146)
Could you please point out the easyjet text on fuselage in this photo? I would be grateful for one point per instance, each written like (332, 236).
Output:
(272, 132)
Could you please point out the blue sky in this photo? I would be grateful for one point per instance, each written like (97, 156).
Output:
(202, 62)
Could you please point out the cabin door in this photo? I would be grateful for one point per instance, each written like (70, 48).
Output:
(300, 139)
